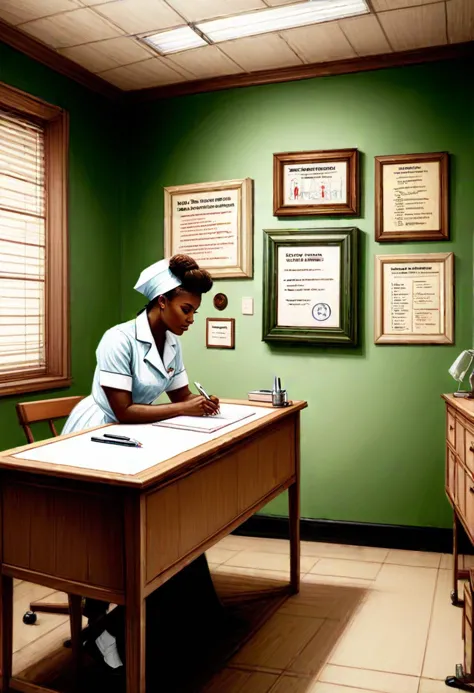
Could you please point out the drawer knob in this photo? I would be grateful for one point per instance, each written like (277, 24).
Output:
(451, 428)
(471, 489)
(472, 447)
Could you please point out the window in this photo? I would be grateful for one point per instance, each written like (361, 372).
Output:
(34, 296)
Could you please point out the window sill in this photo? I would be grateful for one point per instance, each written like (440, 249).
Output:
(35, 383)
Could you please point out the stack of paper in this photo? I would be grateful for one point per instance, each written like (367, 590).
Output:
(229, 414)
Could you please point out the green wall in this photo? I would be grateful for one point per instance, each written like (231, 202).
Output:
(94, 180)
(373, 435)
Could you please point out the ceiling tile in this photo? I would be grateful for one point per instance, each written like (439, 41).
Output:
(319, 42)
(20, 11)
(140, 16)
(365, 35)
(197, 10)
(261, 52)
(148, 73)
(382, 5)
(460, 20)
(415, 27)
(205, 62)
(105, 55)
(71, 28)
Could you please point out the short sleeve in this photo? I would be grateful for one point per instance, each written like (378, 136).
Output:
(114, 358)
(180, 377)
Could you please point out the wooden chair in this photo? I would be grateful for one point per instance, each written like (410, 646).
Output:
(35, 412)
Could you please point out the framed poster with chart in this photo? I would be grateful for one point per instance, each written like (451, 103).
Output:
(213, 223)
(412, 197)
(414, 299)
(310, 286)
(316, 183)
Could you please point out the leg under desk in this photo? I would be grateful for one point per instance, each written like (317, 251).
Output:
(6, 632)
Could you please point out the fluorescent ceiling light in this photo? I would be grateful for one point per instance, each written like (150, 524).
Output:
(279, 18)
(175, 40)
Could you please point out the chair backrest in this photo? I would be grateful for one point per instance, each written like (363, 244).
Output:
(44, 410)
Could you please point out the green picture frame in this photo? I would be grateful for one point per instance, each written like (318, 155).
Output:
(310, 286)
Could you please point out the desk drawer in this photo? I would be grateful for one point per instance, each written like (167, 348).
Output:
(469, 450)
(469, 514)
(451, 428)
(461, 489)
(450, 473)
(460, 437)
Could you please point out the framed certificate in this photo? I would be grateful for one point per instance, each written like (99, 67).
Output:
(220, 333)
(414, 299)
(316, 183)
(310, 285)
(412, 198)
(213, 223)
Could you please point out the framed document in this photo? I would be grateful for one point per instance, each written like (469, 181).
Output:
(220, 333)
(316, 183)
(414, 299)
(310, 285)
(411, 197)
(213, 223)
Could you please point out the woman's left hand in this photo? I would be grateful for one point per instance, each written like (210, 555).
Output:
(214, 399)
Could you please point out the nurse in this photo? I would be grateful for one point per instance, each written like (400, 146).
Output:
(137, 361)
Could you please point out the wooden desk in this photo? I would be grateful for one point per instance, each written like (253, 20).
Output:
(118, 537)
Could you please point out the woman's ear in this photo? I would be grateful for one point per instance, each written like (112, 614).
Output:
(161, 302)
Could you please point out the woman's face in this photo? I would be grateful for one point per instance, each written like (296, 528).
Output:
(178, 313)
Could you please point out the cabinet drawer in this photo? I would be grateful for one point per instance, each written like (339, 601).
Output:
(461, 490)
(451, 428)
(460, 436)
(450, 473)
(469, 516)
(469, 450)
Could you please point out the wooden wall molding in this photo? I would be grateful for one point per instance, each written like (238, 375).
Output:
(47, 56)
(290, 74)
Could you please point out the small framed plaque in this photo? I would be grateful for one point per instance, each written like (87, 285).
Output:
(220, 333)
(310, 286)
(411, 198)
(414, 299)
(316, 183)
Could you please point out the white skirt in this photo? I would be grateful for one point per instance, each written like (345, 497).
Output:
(86, 414)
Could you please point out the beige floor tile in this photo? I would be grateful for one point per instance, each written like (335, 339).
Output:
(292, 684)
(315, 655)
(372, 680)
(446, 562)
(278, 642)
(216, 555)
(253, 572)
(431, 686)
(234, 542)
(320, 600)
(445, 647)
(268, 561)
(420, 559)
(236, 681)
(390, 630)
(338, 581)
(353, 553)
(340, 567)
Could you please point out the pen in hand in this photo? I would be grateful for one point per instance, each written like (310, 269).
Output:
(202, 391)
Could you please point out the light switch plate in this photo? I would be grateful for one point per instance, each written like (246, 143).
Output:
(247, 306)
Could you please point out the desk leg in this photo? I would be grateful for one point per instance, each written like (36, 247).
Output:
(454, 594)
(294, 516)
(135, 646)
(6, 632)
(75, 618)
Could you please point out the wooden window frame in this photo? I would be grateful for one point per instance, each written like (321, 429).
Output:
(55, 121)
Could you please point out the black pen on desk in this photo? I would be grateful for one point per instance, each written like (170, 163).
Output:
(111, 441)
(114, 437)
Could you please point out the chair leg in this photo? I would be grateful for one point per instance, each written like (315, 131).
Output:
(75, 615)
(49, 608)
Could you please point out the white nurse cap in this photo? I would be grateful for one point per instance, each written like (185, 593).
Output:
(156, 280)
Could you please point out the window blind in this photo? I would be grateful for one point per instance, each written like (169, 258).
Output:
(22, 245)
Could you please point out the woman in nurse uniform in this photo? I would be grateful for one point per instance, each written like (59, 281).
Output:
(136, 362)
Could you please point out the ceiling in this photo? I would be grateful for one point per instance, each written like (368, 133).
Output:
(103, 35)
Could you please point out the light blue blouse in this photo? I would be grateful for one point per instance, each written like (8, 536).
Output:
(127, 359)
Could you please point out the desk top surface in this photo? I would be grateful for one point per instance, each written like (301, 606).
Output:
(463, 405)
(164, 450)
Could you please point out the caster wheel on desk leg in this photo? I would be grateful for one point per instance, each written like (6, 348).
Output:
(460, 681)
(30, 618)
(455, 599)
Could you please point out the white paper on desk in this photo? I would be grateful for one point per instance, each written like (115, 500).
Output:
(229, 414)
(159, 444)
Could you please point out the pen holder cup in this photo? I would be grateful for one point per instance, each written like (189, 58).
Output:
(279, 398)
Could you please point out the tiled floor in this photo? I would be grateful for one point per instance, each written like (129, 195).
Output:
(366, 620)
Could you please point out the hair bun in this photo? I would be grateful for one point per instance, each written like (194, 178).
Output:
(180, 265)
